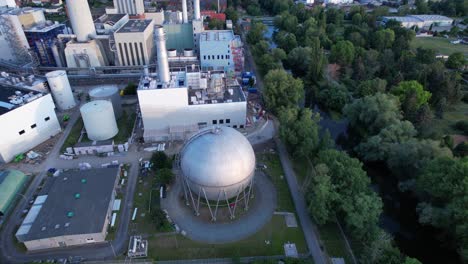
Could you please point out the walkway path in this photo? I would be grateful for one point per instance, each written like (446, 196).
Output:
(260, 212)
(310, 230)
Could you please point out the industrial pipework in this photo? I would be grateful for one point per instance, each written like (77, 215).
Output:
(163, 64)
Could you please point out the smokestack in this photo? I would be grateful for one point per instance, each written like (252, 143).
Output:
(196, 9)
(81, 19)
(163, 65)
(184, 11)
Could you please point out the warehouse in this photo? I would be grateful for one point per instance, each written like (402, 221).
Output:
(11, 183)
(421, 21)
(27, 119)
(72, 209)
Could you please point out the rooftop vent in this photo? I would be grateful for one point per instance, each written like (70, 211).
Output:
(70, 214)
(57, 226)
(83, 180)
(77, 196)
(67, 224)
(43, 228)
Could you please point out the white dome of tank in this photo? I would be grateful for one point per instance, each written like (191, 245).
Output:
(99, 120)
(218, 160)
(61, 89)
(109, 93)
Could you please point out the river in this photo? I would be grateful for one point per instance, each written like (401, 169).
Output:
(399, 217)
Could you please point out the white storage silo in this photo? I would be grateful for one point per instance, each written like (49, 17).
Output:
(61, 89)
(99, 120)
(109, 93)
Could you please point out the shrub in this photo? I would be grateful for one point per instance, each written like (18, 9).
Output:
(463, 126)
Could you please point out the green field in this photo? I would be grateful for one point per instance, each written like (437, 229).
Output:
(440, 45)
(73, 136)
(333, 241)
(179, 247)
(275, 172)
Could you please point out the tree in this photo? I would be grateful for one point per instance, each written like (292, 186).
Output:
(299, 60)
(279, 54)
(267, 63)
(461, 150)
(285, 40)
(412, 96)
(334, 97)
(343, 52)
(160, 161)
(282, 90)
(317, 56)
(165, 176)
(371, 87)
(456, 61)
(159, 219)
(321, 196)
(383, 39)
(231, 14)
(130, 89)
(215, 24)
(357, 19)
(368, 115)
(299, 130)
(426, 56)
(256, 33)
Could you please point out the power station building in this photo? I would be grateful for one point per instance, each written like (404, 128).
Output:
(134, 42)
(221, 50)
(72, 209)
(131, 7)
(27, 118)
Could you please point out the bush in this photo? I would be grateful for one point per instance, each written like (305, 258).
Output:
(461, 150)
(165, 176)
(131, 89)
(160, 161)
(159, 218)
(463, 126)
(465, 98)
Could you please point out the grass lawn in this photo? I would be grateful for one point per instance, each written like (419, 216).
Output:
(73, 136)
(440, 45)
(275, 171)
(125, 125)
(454, 114)
(179, 247)
(333, 241)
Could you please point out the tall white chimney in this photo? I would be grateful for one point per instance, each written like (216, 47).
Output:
(196, 9)
(184, 11)
(163, 64)
(81, 19)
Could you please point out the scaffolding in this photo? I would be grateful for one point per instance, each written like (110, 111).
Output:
(11, 36)
(42, 44)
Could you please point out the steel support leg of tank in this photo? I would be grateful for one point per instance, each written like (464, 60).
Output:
(239, 191)
(217, 205)
(228, 205)
(213, 217)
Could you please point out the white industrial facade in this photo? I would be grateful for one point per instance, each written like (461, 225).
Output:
(220, 50)
(191, 101)
(27, 126)
(134, 42)
(84, 54)
(131, 7)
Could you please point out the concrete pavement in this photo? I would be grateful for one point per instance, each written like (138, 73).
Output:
(309, 229)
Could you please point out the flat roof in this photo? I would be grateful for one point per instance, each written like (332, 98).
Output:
(9, 99)
(44, 27)
(135, 26)
(75, 202)
(217, 35)
(110, 19)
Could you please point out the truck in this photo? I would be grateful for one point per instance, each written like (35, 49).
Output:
(248, 78)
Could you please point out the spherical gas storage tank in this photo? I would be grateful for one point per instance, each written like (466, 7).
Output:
(61, 90)
(218, 161)
(108, 93)
(99, 120)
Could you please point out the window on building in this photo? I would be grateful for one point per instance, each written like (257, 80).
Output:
(215, 122)
(21, 132)
(218, 57)
(229, 46)
(234, 126)
(221, 121)
(47, 119)
(228, 121)
(33, 126)
(222, 57)
(204, 57)
(229, 63)
(241, 126)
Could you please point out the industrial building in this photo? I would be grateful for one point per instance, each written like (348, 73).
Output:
(42, 39)
(11, 184)
(228, 180)
(72, 209)
(134, 42)
(109, 23)
(338, 2)
(221, 50)
(85, 49)
(131, 7)
(420, 21)
(27, 118)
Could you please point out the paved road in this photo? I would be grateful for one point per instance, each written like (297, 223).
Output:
(8, 251)
(260, 212)
(301, 208)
